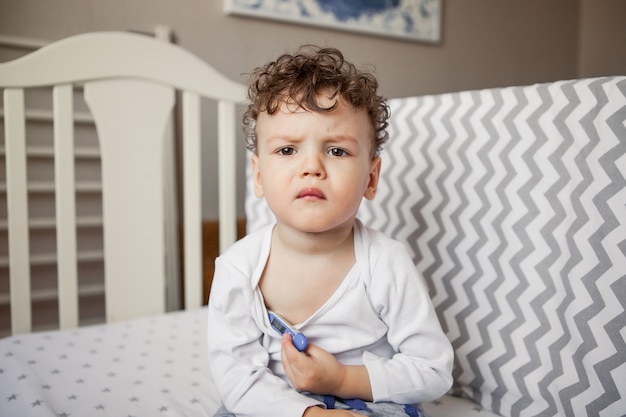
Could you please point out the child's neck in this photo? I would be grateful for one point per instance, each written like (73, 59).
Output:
(307, 243)
(305, 269)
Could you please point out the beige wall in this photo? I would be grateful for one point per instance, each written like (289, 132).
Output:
(602, 46)
(486, 43)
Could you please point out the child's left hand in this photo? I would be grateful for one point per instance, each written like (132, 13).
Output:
(318, 372)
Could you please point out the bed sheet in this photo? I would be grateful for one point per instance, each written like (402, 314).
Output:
(154, 366)
(149, 367)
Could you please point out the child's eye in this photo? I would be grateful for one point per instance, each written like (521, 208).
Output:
(337, 152)
(286, 151)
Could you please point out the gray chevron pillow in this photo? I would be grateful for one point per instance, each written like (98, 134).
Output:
(513, 204)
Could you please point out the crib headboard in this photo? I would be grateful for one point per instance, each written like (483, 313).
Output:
(129, 82)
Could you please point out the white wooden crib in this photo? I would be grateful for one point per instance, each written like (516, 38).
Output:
(148, 362)
(129, 83)
(143, 361)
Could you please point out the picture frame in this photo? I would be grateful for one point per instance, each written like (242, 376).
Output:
(414, 20)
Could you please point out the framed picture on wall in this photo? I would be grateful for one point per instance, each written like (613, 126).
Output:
(418, 20)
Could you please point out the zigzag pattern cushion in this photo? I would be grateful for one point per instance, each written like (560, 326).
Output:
(513, 204)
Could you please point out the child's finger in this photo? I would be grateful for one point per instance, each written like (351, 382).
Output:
(289, 352)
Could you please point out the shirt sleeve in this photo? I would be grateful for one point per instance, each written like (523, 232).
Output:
(237, 359)
(421, 370)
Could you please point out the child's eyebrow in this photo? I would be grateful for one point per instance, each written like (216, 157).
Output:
(343, 138)
(278, 138)
(285, 138)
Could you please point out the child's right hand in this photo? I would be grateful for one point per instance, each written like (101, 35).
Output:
(322, 412)
(318, 372)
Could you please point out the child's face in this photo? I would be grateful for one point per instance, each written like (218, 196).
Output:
(315, 168)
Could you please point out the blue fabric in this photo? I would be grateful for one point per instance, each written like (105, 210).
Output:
(411, 410)
(370, 409)
(356, 404)
(329, 401)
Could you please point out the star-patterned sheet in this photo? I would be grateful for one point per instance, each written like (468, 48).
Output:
(149, 367)
(154, 366)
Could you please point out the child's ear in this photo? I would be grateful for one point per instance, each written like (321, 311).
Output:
(372, 186)
(256, 176)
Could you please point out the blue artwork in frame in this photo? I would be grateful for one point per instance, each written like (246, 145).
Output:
(418, 20)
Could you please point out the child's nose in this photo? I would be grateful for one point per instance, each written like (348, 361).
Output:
(313, 166)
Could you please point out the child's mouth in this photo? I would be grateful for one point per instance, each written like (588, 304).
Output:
(311, 193)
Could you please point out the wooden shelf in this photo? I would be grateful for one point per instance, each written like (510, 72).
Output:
(50, 223)
(53, 294)
(51, 258)
(48, 187)
(48, 152)
(43, 115)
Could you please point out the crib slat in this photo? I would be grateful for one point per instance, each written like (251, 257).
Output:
(191, 200)
(131, 118)
(65, 206)
(227, 149)
(17, 210)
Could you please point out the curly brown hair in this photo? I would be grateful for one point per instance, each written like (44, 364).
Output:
(301, 77)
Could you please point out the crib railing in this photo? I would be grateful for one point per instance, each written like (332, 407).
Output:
(130, 83)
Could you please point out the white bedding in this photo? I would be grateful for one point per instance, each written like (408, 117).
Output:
(155, 366)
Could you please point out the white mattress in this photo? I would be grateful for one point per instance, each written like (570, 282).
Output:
(149, 367)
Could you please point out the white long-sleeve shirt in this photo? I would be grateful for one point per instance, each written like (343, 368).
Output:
(381, 316)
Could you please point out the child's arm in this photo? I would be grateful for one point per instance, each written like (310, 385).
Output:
(318, 372)
(421, 367)
(237, 359)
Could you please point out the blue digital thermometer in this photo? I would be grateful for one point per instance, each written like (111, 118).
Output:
(281, 326)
